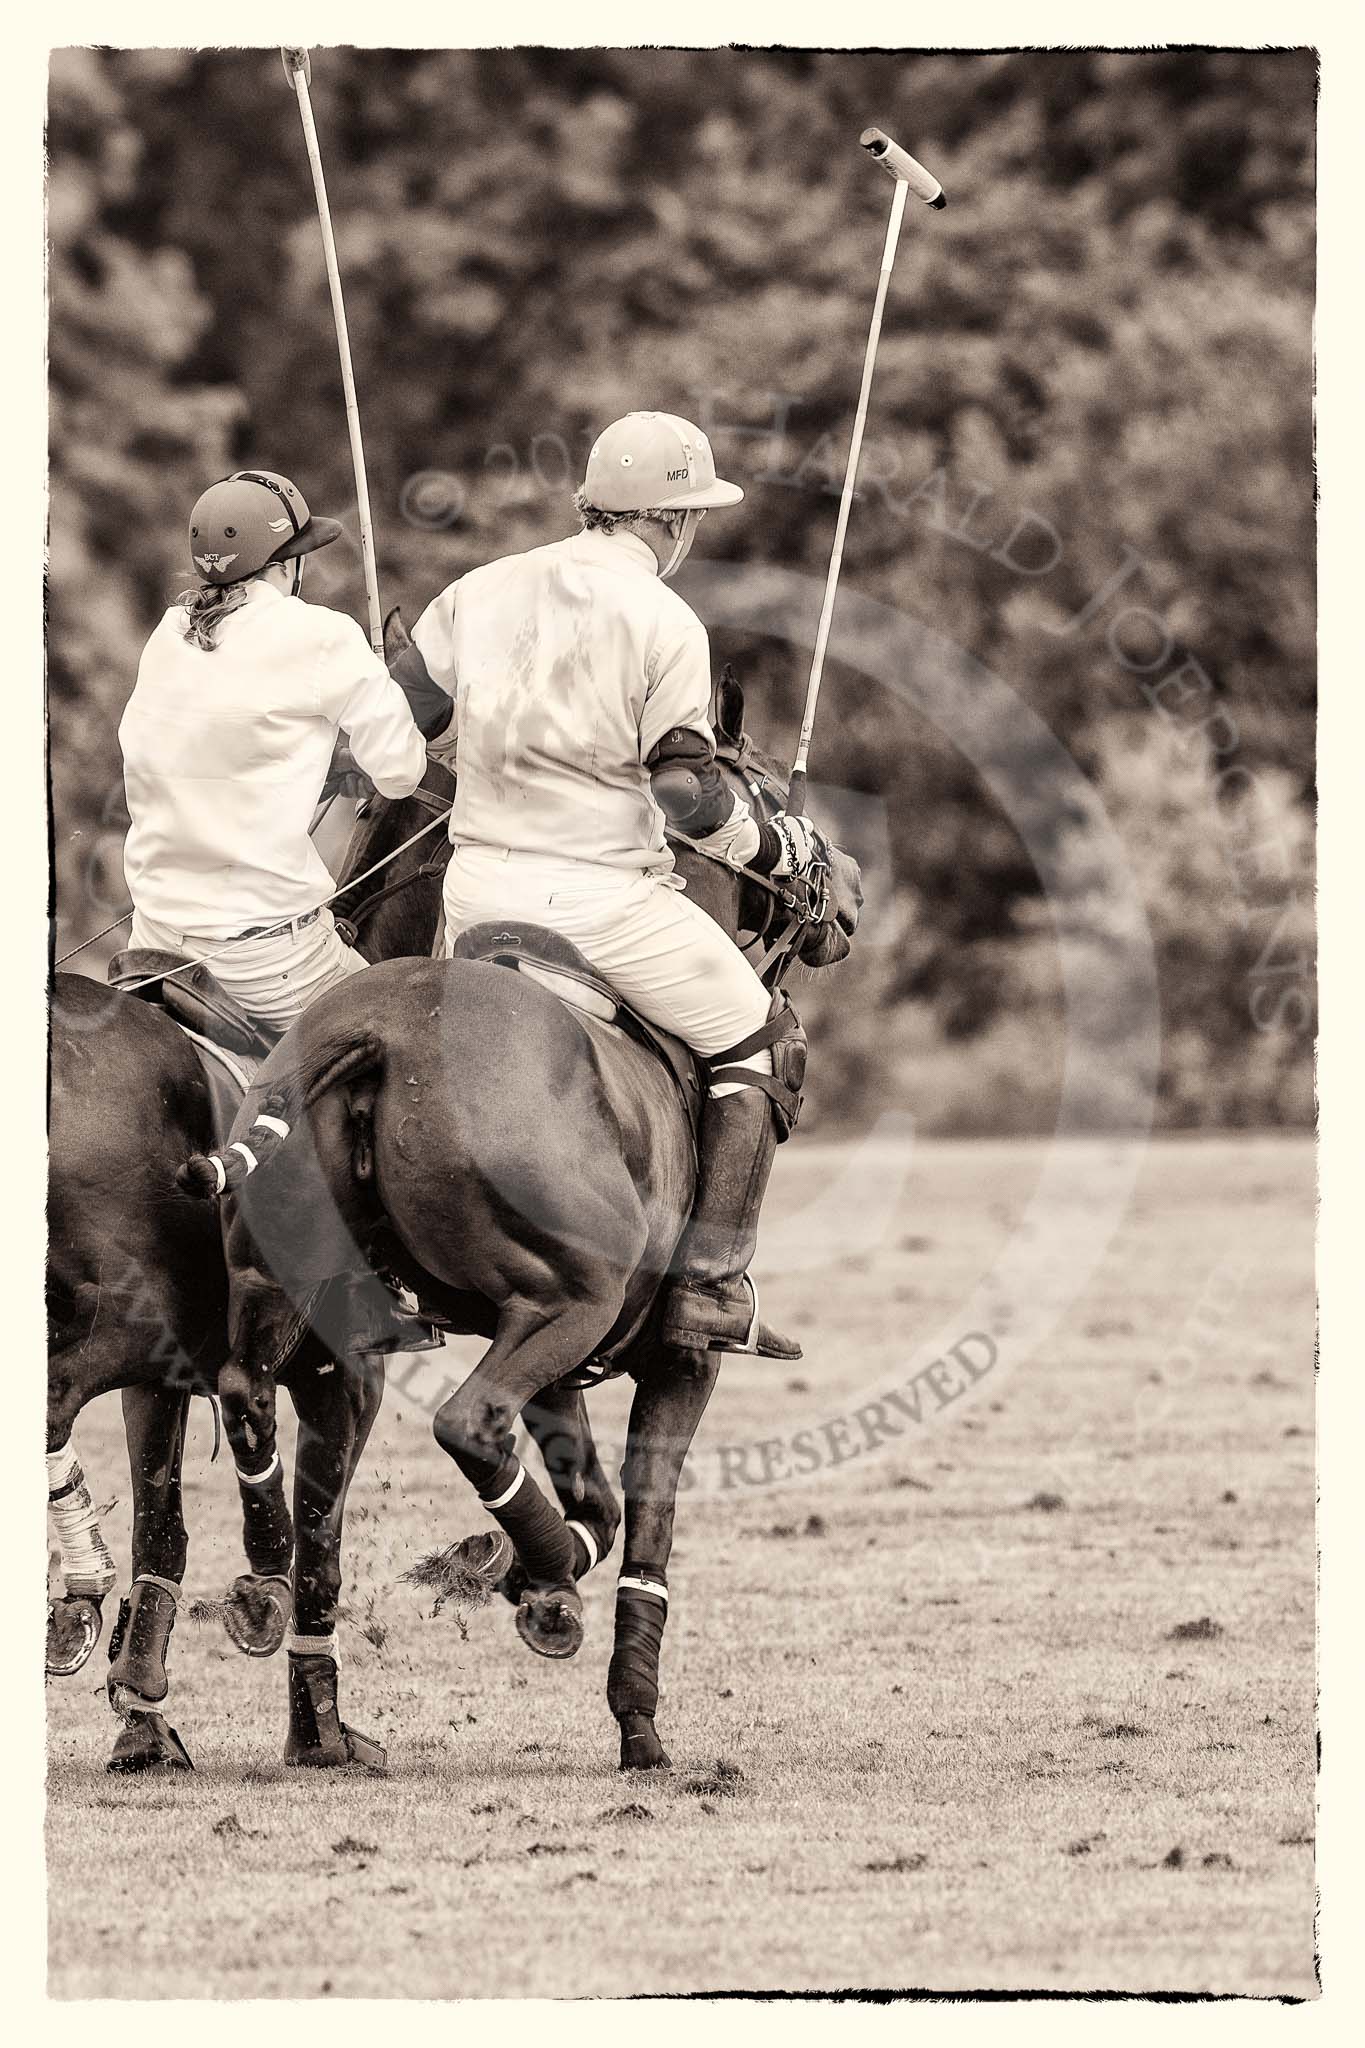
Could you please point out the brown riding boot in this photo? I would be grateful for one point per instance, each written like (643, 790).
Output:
(712, 1305)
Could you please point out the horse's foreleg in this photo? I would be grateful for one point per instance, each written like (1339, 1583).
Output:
(154, 1420)
(534, 1345)
(669, 1403)
(88, 1570)
(337, 1402)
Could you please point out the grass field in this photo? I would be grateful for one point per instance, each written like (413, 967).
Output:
(933, 1718)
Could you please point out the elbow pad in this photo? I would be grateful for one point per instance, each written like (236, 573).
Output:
(432, 707)
(688, 786)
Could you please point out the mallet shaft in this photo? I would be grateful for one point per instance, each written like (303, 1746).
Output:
(297, 69)
(797, 797)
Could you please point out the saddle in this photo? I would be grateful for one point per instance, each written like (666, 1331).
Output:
(229, 1046)
(556, 963)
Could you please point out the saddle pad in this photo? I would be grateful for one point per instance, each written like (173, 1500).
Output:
(229, 1075)
(594, 1002)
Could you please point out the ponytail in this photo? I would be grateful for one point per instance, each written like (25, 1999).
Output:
(207, 607)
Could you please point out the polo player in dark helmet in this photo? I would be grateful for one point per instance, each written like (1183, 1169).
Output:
(582, 688)
(241, 694)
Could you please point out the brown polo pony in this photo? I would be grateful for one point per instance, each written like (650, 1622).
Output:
(530, 1169)
(137, 1298)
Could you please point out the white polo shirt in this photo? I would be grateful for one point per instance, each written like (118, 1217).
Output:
(225, 753)
(567, 665)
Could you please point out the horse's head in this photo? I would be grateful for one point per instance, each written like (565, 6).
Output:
(763, 786)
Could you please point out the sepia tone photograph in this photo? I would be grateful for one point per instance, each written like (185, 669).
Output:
(681, 773)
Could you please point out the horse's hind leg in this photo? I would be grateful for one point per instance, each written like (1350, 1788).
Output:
(533, 1347)
(669, 1403)
(154, 1421)
(337, 1401)
(558, 1422)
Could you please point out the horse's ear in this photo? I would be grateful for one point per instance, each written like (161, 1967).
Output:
(395, 634)
(728, 715)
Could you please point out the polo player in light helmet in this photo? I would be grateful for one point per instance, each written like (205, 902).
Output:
(582, 687)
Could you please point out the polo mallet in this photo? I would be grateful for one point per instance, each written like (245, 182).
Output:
(299, 71)
(910, 177)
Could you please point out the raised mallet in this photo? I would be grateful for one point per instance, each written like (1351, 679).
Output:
(298, 70)
(910, 177)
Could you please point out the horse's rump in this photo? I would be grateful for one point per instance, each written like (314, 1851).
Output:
(496, 1134)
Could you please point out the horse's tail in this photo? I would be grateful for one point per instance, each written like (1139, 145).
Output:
(206, 1175)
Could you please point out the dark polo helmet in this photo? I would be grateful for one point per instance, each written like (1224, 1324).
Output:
(253, 517)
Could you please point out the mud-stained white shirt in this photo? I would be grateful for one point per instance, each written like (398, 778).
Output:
(225, 753)
(567, 666)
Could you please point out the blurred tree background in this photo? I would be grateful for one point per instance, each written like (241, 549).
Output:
(1103, 348)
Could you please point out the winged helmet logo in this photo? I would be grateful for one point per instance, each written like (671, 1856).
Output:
(209, 562)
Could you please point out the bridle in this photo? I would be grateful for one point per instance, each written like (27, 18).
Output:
(432, 867)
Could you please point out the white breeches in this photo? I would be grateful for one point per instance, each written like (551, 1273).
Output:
(667, 958)
(275, 978)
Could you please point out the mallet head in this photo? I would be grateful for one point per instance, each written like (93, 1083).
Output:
(899, 164)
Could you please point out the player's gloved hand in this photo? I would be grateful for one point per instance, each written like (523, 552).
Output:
(345, 777)
(804, 849)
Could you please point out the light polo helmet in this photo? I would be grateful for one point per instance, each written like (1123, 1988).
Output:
(655, 462)
(250, 519)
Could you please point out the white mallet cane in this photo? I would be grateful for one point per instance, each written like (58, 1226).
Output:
(299, 71)
(910, 177)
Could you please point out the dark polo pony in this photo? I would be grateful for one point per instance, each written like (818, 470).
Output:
(530, 1169)
(137, 1300)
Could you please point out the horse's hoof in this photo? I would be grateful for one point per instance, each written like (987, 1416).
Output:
(319, 1739)
(335, 1750)
(550, 1620)
(257, 1614)
(147, 1742)
(355, 1750)
(73, 1629)
(641, 1749)
(488, 1558)
(514, 1583)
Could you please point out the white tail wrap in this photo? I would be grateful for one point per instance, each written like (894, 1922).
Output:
(276, 1124)
(87, 1563)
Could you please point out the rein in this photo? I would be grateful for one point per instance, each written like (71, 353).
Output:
(349, 924)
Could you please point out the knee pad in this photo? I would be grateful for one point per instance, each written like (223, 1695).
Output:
(785, 1042)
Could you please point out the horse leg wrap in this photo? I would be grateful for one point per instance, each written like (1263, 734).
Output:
(586, 1551)
(318, 1736)
(641, 1611)
(87, 1565)
(137, 1647)
(314, 1646)
(267, 1532)
(544, 1544)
